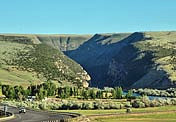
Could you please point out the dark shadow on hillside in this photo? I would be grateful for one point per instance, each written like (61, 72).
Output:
(161, 82)
(132, 67)
(96, 58)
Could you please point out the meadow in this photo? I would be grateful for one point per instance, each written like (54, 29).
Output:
(151, 114)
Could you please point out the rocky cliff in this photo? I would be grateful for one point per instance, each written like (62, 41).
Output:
(141, 59)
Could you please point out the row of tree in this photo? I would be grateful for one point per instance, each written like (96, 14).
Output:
(19, 93)
(92, 93)
(49, 89)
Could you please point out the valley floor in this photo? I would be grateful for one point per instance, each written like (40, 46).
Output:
(151, 114)
(164, 116)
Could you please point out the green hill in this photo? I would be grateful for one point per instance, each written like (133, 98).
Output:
(25, 60)
(140, 59)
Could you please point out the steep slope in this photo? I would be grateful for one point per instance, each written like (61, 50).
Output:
(96, 54)
(24, 59)
(143, 59)
(162, 46)
(63, 42)
(140, 59)
(147, 62)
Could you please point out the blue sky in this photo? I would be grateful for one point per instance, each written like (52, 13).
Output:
(86, 16)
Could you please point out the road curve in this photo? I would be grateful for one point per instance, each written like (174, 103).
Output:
(36, 116)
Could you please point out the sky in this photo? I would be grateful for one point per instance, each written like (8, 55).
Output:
(86, 16)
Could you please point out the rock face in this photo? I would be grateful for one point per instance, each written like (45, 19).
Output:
(129, 60)
(98, 57)
(116, 73)
(95, 55)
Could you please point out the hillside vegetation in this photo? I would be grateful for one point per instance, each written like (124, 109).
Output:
(24, 60)
(140, 59)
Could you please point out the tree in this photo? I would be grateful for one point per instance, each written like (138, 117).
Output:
(1, 89)
(113, 93)
(64, 92)
(41, 93)
(18, 94)
(99, 94)
(75, 91)
(85, 94)
(45, 93)
(50, 87)
(59, 91)
(5, 90)
(119, 92)
(67, 92)
(62, 95)
(71, 91)
(92, 94)
(129, 94)
(11, 93)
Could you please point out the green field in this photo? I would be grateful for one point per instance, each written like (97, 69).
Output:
(151, 114)
(114, 111)
(152, 117)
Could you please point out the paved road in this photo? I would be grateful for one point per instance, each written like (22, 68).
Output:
(35, 116)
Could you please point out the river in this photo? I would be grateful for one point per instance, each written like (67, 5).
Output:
(150, 97)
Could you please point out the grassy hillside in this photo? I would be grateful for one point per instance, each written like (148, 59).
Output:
(141, 59)
(9, 74)
(162, 46)
(145, 59)
(147, 62)
(23, 60)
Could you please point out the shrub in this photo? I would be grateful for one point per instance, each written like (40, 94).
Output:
(154, 103)
(42, 106)
(113, 105)
(138, 104)
(87, 105)
(168, 102)
(76, 106)
(35, 106)
(173, 100)
(54, 106)
(146, 101)
(128, 104)
(161, 101)
(98, 105)
(106, 106)
(65, 106)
